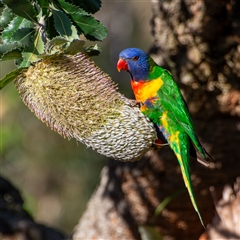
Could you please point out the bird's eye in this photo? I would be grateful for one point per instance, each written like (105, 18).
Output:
(135, 58)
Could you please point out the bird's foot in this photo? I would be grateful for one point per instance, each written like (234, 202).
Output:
(159, 144)
(135, 103)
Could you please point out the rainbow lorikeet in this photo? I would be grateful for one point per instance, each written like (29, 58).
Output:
(163, 103)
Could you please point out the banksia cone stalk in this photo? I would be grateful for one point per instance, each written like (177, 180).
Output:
(77, 100)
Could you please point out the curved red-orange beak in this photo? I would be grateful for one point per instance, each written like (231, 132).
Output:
(122, 65)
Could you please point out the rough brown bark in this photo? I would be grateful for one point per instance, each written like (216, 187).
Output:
(226, 222)
(108, 215)
(198, 41)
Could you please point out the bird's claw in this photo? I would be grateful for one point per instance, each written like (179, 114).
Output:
(135, 103)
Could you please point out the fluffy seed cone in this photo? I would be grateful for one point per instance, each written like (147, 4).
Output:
(76, 99)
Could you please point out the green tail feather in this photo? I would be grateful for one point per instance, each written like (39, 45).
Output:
(181, 150)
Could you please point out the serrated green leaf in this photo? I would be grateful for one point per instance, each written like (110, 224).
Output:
(62, 23)
(70, 8)
(24, 63)
(53, 45)
(58, 40)
(149, 233)
(51, 30)
(90, 26)
(18, 62)
(38, 43)
(75, 47)
(40, 17)
(65, 27)
(31, 53)
(23, 35)
(9, 78)
(5, 48)
(90, 6)
(6, 17)
(44, 4)
(92, 50)
(28, 58)
(75, 34)
(22, 8)
(11, 55)
(14, 25)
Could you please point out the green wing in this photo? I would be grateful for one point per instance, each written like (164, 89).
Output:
(172, 101)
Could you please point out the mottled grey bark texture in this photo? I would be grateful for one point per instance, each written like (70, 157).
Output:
(199, 42)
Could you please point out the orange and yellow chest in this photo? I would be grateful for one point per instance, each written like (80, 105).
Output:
(145, 90)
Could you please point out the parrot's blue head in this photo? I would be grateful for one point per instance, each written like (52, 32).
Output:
(136, 62)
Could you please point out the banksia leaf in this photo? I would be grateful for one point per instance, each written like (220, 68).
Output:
(93, 50)
(13, 26)
(24, 9)
(5, 17)
(8, 78)
(91, 6)
(75, 46)
(6, 48)
(23, 35)
(11, 55)
(76, 99)
(91, 27)
(62, 23)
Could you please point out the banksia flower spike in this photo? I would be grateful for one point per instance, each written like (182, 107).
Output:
(78, 100)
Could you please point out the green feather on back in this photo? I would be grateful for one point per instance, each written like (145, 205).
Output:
(172, 100)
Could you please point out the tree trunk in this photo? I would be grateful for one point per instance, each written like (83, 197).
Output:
(198, 41)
